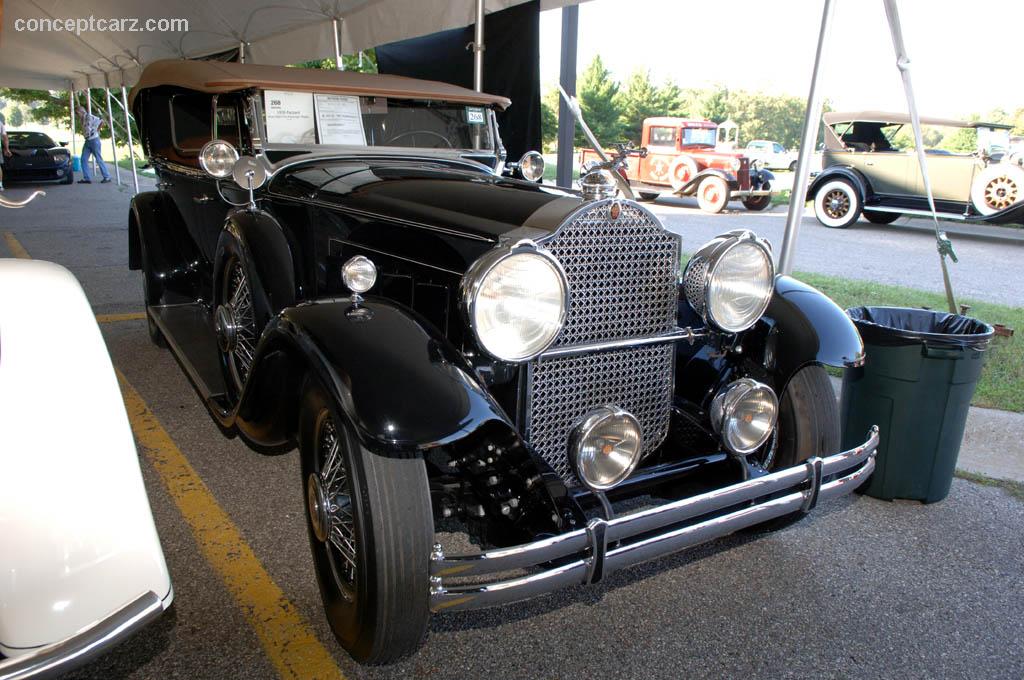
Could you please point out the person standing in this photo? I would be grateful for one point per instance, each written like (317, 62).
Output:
(91, 131)
(5, 152)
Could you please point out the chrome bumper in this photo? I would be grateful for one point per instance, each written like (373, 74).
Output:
(85, 645)
(606, 546)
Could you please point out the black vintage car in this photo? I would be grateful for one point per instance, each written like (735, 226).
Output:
(459, 350)
(36, 157)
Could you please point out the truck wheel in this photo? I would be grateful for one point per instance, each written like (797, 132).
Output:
(757, 203)
(997, 188)
(837, 205)
(792, 166)
(682, 170)
(713, 194)
(875, 217)
(371, 531)
(808, 426)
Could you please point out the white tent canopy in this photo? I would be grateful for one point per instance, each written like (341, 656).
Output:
(274, 32)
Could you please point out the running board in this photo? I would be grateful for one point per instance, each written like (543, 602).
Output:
(189, 333)
(922, 213)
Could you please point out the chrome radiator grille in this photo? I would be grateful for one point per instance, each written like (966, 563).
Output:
(622, 274)
(622, 277)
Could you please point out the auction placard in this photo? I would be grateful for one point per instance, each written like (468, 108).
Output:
(290, 117)
(339, 120)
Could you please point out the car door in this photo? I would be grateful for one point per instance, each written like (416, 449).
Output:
(210, 208)
(662, 141)
(886, 171)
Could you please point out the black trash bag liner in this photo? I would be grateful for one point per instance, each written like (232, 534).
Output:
(896, 326)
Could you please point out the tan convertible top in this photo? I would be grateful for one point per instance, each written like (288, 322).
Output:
(833, 117)
(216, 76)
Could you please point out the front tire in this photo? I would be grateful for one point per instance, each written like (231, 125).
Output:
(837, 204)
(371, 531)
(808, 426)
(713, 194)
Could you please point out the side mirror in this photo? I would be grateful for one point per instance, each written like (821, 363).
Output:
(249, 173)
(218, 158)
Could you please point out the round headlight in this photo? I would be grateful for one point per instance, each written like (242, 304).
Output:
(605, 447)
(531, 165)
(516, 301)
(744, 414)
(217, 158)
(736, 164)
(729, 281)
(359, 274)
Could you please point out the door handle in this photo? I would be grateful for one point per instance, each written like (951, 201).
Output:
(202, 199)
(869, 163)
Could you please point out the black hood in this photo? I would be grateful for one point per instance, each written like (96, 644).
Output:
(437, 194)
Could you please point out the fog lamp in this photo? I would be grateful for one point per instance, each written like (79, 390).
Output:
(744, 413)
(605, 447)
(359, 274)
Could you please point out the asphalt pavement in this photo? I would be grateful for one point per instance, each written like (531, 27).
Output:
(861, 588)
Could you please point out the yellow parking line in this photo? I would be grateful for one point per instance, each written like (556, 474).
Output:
(111, 318)
(286, 635)
(17, 250)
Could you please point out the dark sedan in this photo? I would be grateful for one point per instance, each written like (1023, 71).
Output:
(34, 157)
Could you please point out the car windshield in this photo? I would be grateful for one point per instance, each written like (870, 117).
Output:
(29, 139)
(699, 136)
(328, 119)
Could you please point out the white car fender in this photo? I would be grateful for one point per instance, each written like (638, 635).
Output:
(77, 539)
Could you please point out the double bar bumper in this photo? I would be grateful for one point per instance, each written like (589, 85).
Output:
(587, 555)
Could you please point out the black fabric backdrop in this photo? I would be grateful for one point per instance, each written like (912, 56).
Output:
(511, 67)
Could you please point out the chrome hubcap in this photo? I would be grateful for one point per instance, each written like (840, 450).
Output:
(227, 329)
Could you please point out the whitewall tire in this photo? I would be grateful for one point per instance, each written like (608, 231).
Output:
(837, 204)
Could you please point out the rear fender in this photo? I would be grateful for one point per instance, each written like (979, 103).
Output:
(153, 223)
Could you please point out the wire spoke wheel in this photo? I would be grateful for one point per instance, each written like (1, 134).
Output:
(329, 495)
(236, 323)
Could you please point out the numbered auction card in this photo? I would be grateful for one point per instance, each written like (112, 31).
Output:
(339, 120)
(290, 118)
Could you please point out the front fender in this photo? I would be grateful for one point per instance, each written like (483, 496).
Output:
(852, 175)
(692, 185)
(399, 383)
(804, 326)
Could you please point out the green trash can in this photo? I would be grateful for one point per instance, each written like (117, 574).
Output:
(916, 385)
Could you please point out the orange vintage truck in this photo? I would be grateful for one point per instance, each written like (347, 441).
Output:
(681, 155)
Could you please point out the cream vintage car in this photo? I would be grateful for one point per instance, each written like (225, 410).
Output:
(80, 557)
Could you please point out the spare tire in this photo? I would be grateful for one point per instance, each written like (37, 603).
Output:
(682, 170)
(997, 187)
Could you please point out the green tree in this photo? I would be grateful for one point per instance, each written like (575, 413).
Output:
(349, 61)
(43, 106)
(597, 92)
(672, 101)
(549, 117)
(639, 99)
(713, 104)
(964, 140)
(16, 118)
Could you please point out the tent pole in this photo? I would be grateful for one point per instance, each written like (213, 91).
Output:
(128, 131)
(338, 64)
(71, 104)
(110, 121)
(88, 109)
(812, 117)
(567, 79)
(241, 51)
(478, 48)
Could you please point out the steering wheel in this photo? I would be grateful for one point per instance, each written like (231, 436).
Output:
(430, 133)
